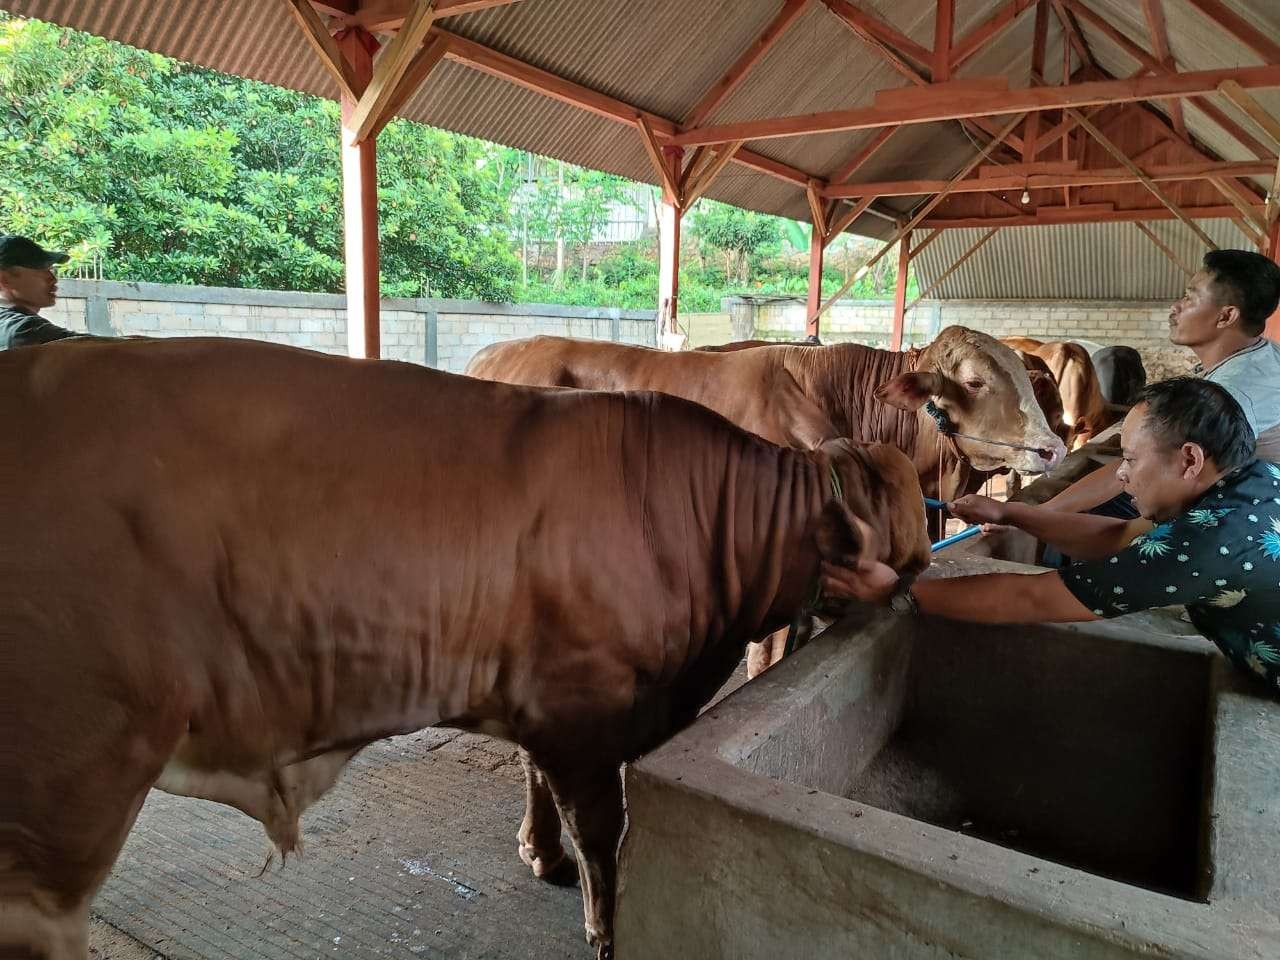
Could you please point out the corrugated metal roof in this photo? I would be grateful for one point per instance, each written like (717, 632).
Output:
(663, 55)
(1109, 261)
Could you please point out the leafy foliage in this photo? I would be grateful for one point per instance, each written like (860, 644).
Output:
(145, 168)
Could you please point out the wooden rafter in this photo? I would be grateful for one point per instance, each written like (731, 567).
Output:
(790, 11)
(326, 48)
(487, 60)
(1223, 17)
(389, 70)
(854, 163)
(419, 69)
(840, 224)
(670, 189)
(964, 100)
(1163, 247)
(864, 23)
(1065, 177)
(1090, 213)
(988, 30)
(933, 235)
(387, 16)
(1153, 10)
(1256, 111)
(944, 16)
(977, 245)
(925, 209)
(1039, 44)
(898, 61)
(1147, 182)
(695, 190)
(1071, 30)
(1153, 64)
(1255, 223)
(817, 209)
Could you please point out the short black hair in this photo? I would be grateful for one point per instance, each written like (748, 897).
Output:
(1190, 410)
(1247, 281)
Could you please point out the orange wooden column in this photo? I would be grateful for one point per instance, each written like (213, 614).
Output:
(900, 292)
(817, 248)
(360, 208)
(670, 215)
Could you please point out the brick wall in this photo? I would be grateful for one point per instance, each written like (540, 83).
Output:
(442, 333)
(1139, 324)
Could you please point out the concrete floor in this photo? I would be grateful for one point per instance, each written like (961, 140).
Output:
(412, 855)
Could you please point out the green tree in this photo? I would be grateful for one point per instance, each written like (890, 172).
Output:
(733, 235)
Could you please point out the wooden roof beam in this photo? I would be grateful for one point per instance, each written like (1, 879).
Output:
(695, 189)
(923, 211)
(326, 48)
(1163, 247)
(1151, 63)
(864, 23)
(842, 223)
(987, 31)
(1111, 176)
(1224, 18)
(944, 17)
(389, 69)
(1079, 214)
(961, 99)
(1153, 10)
(390, 15)
(1255, 111)
(1147, 182)
(1071, 30)
(852, 165)
(974, 248)
(791, 10)
(487, 60)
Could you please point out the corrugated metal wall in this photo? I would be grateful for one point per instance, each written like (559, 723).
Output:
(1113, 261)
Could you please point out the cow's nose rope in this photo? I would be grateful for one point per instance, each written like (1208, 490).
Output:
(948, 429)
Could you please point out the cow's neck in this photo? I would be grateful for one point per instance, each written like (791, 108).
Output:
(842, 378)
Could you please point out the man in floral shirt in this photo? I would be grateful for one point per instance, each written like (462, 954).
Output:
(1208, 538)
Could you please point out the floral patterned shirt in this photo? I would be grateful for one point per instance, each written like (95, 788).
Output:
(1221, 559)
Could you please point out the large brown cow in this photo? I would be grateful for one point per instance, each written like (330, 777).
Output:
(1084, 407)
(804, 395)
(227, 566)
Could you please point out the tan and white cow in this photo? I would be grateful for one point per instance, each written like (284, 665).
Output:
(227, 566)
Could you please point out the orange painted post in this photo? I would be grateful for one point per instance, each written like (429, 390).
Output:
(817, 245)
(900, 292)
(360, 208)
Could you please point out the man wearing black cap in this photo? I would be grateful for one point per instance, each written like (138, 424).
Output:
(27, 285)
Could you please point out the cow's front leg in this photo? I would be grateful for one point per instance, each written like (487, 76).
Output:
(590, 801)
(539, 834)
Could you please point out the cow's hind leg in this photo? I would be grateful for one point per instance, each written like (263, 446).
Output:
(590, 801)
(539, 835)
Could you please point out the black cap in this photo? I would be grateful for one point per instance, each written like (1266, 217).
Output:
(16, 251)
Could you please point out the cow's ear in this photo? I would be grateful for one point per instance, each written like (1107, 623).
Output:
(909, 391)
(843, 538)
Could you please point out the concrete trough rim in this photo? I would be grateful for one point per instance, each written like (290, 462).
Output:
(701, 759)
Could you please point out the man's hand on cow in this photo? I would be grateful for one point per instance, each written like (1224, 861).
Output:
(992, 514)
(866, 580)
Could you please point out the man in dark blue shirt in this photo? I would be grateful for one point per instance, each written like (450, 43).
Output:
(27, 285)
(1208, 538)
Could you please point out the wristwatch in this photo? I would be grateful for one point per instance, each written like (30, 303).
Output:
(903, 600)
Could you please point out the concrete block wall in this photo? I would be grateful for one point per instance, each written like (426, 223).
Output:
(440, 333)
(1142, 325)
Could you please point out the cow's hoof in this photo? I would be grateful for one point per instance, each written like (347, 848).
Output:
(602, 942)
(554, 867)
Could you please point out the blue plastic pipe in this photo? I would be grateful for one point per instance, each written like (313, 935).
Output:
(964, 534)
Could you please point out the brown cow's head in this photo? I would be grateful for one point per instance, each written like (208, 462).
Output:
(983, 388)
(880, 514)
(1045, 387)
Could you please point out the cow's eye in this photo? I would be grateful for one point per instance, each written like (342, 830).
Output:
(973, 386)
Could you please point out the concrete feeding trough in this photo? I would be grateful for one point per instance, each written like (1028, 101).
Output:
(906, 788)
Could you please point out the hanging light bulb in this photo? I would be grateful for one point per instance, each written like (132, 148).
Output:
(1026, 195)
